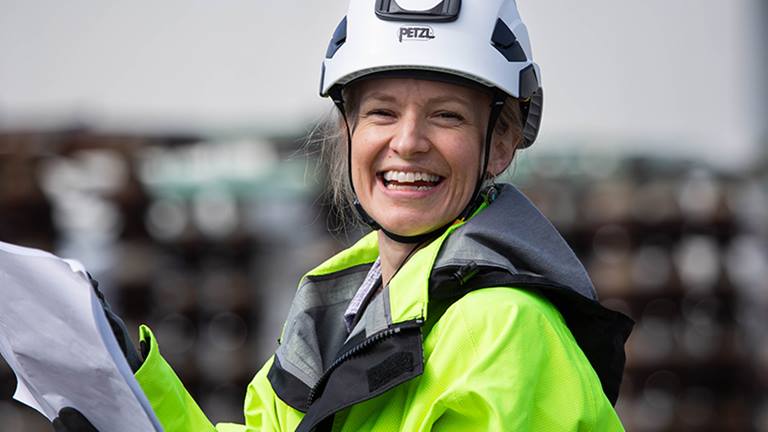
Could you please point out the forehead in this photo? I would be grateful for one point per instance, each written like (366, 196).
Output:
(418, 90)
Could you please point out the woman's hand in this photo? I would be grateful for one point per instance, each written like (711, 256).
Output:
(71, 420)
(120, 331)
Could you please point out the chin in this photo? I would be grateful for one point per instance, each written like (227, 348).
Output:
(409, 226)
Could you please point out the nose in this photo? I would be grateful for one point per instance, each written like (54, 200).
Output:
(409, 139)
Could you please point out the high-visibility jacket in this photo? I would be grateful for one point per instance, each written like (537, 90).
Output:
(494, 326)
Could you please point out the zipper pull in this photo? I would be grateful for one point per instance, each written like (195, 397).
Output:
(464, 274)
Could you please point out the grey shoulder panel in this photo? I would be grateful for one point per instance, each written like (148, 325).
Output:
(512, 234)
(315, 330)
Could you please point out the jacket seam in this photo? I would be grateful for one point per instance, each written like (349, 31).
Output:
(467, 328)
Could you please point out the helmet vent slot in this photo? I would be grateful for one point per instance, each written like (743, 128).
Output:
(506, 43)
(338, 39)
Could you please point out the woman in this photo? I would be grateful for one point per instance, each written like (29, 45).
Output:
(464, 309)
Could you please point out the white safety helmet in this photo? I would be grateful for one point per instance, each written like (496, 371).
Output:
(480, 42)
(484, 41)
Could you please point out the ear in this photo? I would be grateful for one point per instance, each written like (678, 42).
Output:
(502, 152)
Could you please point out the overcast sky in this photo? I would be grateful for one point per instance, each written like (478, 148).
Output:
(677, 76)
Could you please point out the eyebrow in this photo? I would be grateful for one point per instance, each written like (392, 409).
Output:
(381, 97)
(450, 98)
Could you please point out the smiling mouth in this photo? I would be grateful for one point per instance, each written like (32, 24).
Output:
(402, 180)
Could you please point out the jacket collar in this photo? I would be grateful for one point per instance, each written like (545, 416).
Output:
(513, 235)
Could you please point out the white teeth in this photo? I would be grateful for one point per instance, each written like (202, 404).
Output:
(404, 181)
(409, 177)
(395, 186)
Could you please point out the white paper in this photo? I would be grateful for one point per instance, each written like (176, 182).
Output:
(56, 338)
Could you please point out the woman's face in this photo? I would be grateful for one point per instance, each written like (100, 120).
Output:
(416, 149)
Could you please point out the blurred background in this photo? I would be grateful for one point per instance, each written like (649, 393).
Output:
(162, 144)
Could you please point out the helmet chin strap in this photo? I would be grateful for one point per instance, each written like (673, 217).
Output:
(496, 106)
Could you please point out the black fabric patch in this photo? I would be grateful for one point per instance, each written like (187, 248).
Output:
(345, 386)
(506, 43)
(391, 368)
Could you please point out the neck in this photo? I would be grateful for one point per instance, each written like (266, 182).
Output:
(392, 254)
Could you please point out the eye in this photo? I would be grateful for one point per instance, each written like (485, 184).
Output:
(450, 115)
(379, 113)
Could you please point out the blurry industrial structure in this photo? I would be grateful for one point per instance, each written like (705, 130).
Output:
(204, 241)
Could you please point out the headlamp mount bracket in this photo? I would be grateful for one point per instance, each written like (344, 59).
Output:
(445, 11)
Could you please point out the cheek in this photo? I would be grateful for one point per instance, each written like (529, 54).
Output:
(363, 156)
(357, 165)
(465, 159)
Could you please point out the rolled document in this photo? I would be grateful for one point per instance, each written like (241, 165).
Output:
(56, 338)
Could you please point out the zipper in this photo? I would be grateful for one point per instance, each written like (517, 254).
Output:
(355, 350)
(450, 281)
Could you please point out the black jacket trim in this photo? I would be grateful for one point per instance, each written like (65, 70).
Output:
(287, 387)
(600, 332)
